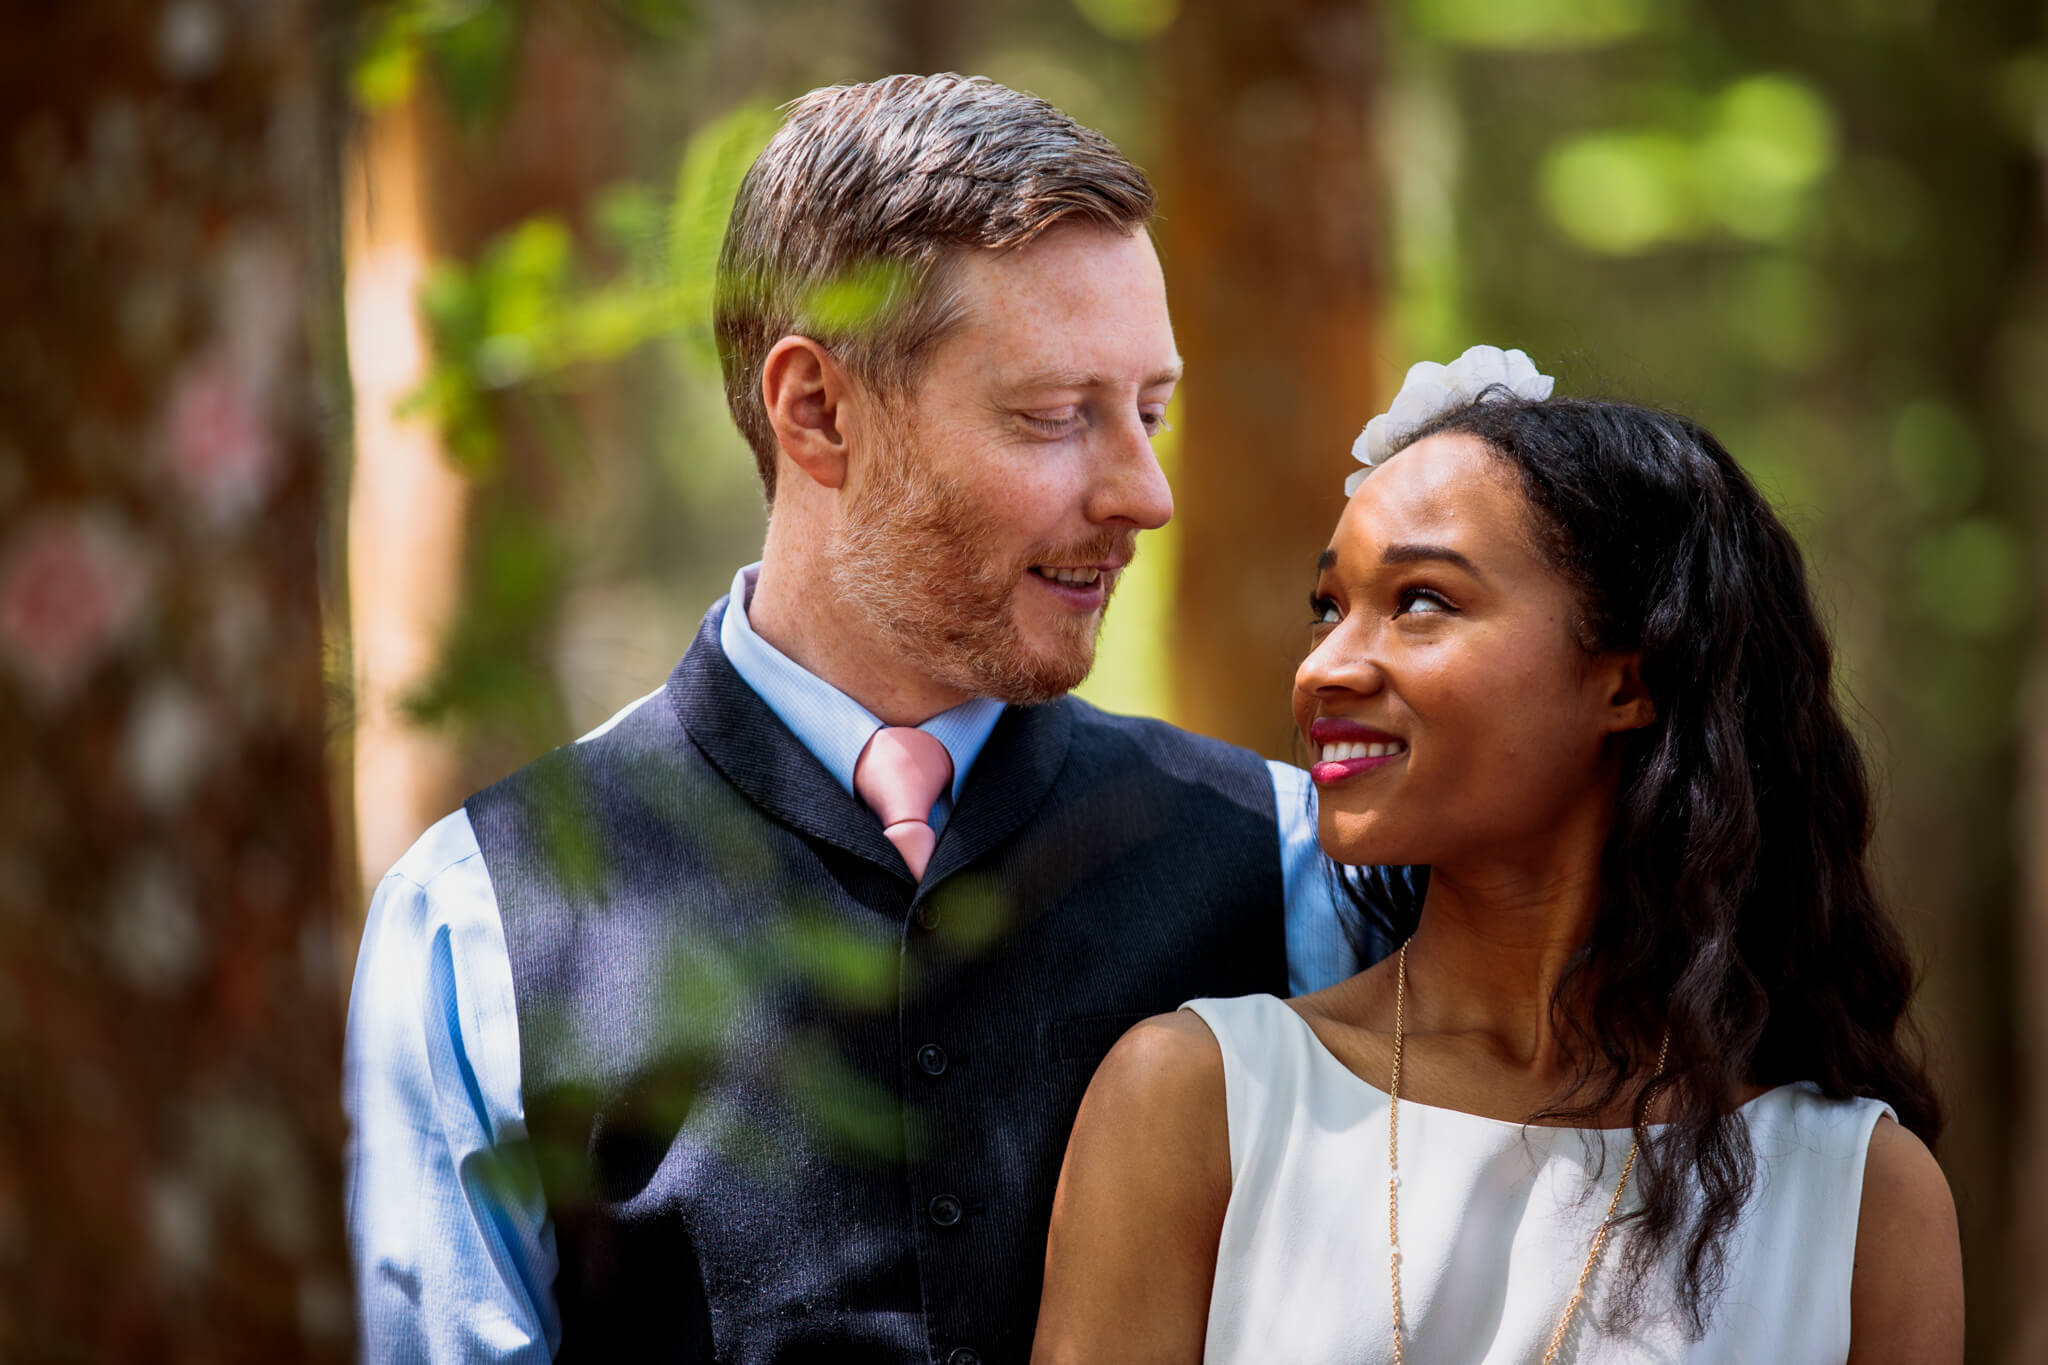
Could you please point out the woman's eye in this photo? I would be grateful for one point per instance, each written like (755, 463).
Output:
(1421, 601)
(1323, 612)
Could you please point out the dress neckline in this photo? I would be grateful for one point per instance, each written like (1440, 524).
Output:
(1323, 1048)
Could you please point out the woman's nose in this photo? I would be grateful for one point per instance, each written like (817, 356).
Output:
(1341, 662)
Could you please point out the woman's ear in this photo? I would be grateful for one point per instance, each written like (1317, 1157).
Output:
(1628, 702)
(803, 388)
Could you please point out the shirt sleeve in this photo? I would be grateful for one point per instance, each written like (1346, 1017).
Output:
(453, 1253)
(1319, 952)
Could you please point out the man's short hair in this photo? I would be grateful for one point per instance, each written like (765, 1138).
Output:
(866, 192)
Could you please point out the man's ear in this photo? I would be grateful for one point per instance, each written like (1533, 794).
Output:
(803, 387)
(1628, 702)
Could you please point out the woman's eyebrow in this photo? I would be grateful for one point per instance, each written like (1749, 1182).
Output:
(1406, 554)
(1411, 553)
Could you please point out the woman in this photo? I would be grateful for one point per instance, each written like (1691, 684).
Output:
(1633, 1087)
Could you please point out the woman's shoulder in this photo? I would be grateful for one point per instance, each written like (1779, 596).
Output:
(1168, 1061)
(1154, 1116)
(1906, 1200)
(1902, 1178)
(1215, 1058)
(1906, 1296)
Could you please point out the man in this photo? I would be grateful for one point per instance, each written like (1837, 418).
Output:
(754, 1022)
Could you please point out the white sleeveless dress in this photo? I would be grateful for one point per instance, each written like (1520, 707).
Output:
(1496, 1220)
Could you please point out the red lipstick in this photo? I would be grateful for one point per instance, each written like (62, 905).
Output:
(1353, 748)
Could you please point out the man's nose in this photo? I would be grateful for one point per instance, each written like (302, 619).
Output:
(1131, 488)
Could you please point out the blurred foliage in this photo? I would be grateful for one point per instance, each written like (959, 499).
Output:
(472, 46)
(1747, 160)
(1129, 19)
(517, 583)
(531, 308)
(1536, 25)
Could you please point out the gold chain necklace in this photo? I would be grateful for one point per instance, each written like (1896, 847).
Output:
(1571, 1306)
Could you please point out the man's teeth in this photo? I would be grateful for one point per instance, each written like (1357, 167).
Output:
(1337, 753)
(1080, 578)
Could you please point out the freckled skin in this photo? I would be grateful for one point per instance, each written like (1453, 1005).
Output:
(1078, 301)
(1038, 408)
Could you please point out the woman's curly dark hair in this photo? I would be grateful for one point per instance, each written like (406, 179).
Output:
(1738, 910)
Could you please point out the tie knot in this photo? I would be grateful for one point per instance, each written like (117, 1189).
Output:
(901, 773)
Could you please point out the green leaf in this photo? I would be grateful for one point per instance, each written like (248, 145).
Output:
(389, 62)
(473, 49)
(1773, 138)
(856, 300)
(707, 181)
(1130, 20)
(1620, 194)
(1533, 25)
(629, 215)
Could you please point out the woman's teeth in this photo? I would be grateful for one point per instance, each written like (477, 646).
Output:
(1337, 753)
(1079, 578)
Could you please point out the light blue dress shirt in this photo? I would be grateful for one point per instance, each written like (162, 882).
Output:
(448, 1229)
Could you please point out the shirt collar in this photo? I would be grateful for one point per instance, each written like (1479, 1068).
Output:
(832, 725)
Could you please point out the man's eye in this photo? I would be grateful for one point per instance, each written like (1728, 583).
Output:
(1053, 422)
(1155, 422)
(1323, 612)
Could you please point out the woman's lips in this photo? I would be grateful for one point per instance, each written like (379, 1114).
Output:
(1326, 771)
(1345, 749)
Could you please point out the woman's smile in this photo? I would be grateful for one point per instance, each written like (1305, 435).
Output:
(1346, 749)
(1439, 629)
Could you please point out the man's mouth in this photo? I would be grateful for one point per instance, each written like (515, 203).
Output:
(1078, 588)
(1073, 578)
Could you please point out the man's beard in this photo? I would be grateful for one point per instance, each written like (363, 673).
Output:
(911, 555)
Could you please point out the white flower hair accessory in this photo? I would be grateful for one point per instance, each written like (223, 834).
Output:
(1431, 390)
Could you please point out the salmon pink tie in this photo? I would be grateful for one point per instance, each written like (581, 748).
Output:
(900, 775)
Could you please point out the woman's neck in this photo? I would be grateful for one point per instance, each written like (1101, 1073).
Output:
(1493, 944)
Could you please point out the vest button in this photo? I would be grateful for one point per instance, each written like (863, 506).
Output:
(964, 1355)
(932, 1058)
(945, 1210)
(927, 917)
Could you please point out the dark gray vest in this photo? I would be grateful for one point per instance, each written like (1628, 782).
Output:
(789, 1105)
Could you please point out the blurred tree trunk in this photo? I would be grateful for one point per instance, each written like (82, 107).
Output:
(437, 178)
(1270, 233)
(169, 1119)
(408, 503)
